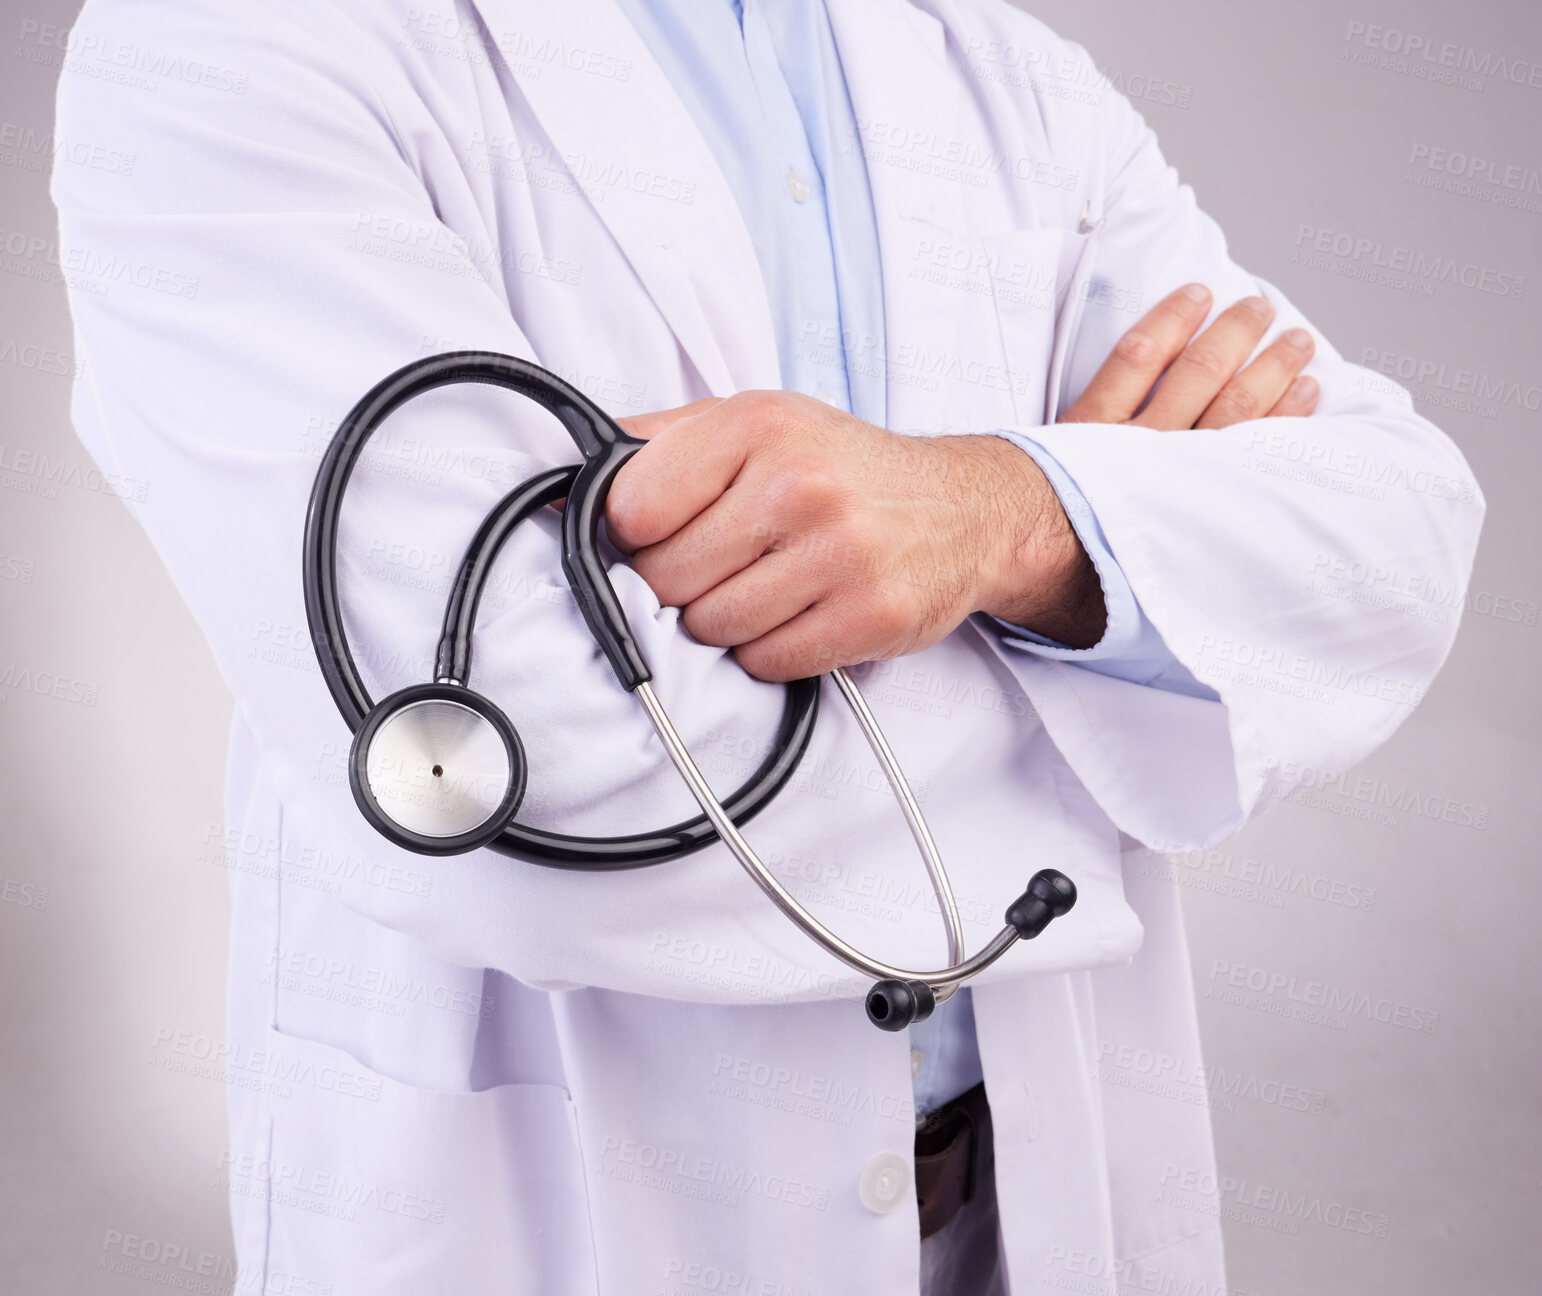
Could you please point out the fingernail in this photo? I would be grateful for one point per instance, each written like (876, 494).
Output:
(1298, 338)
(1257, 305)
(1304, 390)
(1196, 292)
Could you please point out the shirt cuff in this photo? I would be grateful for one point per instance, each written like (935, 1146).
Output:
(1131, 648)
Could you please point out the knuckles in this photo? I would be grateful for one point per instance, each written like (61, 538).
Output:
(758, 416)
(799, 488)
(721, 618)
(1139, 350)
(632, 514)
(773, 665)
(660, 576)
(1235, 404)
(1209, 363)
(706, 624)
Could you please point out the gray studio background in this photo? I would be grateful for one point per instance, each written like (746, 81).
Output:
(1310, 132)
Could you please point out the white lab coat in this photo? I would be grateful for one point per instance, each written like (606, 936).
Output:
(472, 1075)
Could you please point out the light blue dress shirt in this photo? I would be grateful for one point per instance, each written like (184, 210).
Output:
(763, 82)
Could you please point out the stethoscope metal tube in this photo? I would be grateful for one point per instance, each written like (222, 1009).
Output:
(942, 982)
(942, 886)
(439, 769)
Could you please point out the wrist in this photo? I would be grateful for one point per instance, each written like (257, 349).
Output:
(1034, 570)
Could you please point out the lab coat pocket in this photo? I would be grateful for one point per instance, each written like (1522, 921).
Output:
(341, 980)
(377, 1188)
(1033, 274)
(399, 1008)
(416, 1130)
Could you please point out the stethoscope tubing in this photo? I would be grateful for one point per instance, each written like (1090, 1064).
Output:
(943, 980)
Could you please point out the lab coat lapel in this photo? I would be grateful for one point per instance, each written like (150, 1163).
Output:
(910, 112)
(981, 285)
(638, 157)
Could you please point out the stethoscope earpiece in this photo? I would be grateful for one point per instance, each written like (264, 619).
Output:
(437, 768)
(1050, 894)
(893, 1004)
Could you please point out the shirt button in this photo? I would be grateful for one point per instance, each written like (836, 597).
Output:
(797, 186)
(885, 1182)
(916, 1059)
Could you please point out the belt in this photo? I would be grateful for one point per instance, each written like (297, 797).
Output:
(954, 1153)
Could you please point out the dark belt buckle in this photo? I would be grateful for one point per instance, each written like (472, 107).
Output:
(947, 1159)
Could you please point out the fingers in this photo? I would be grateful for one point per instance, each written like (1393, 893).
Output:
(1299, 400)
(690, 461)
(719, 541)
(769, 505)
(648, 426)
(842, 626)
(1260, 387)
(803, 646)
(752, 603)
(1138, 359)
(1206, 366)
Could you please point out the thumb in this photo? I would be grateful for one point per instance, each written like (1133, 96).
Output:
(647, 426)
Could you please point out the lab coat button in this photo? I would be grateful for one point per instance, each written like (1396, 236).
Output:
(885, 1182)
(797, 186)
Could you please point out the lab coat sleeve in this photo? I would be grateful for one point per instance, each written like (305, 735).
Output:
(1252, 548)
(277, 251)
(1130, 648)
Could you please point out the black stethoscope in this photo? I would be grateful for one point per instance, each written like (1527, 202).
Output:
(438, 769)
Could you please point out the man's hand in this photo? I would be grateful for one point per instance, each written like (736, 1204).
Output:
(1205, 385)
(804, 538)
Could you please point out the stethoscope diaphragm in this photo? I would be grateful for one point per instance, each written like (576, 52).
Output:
(438, 768)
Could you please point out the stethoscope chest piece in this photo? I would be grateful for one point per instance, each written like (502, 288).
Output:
(437, 768)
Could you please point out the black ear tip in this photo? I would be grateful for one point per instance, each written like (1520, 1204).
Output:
(1055, 889)
(1050, 895)
(893, 1005)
